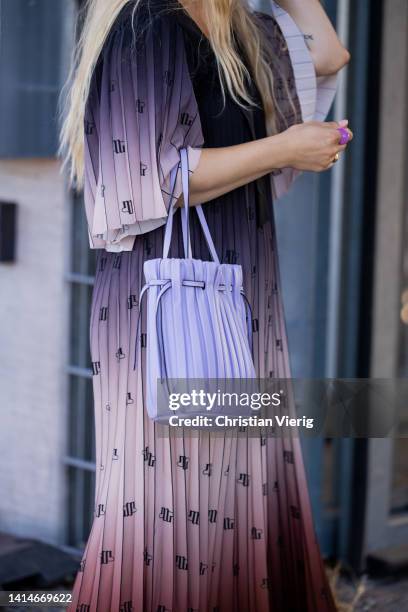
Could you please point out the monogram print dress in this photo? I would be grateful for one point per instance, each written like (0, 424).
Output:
(188, 523)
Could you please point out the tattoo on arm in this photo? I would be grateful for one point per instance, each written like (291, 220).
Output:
(308, 38)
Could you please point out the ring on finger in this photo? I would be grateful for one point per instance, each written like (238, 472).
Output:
(336, 158)
(345, 135)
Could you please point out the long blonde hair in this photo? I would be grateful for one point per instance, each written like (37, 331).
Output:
(228, 18)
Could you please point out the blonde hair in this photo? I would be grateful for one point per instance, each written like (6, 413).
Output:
(229, 19)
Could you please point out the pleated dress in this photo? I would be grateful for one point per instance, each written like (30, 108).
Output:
(186, 523)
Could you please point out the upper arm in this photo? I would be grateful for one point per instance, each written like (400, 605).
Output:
(142, 110)
(315, 94)
(327, 52)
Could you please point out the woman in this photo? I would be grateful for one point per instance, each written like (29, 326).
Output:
(185, 524)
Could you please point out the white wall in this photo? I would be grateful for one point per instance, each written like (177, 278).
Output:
(33, 337)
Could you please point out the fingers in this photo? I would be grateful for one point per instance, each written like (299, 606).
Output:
(350, 133)
(331, 163)
(324, 137)
(333, 127)
(334, 156)
(339, 135)
(323, 124)
(337, 149)
(336, 137)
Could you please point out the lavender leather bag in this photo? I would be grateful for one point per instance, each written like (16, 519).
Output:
(198, 320)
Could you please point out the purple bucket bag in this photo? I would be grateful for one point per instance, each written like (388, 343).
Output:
(198, 320)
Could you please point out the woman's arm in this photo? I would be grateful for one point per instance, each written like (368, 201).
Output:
(306, 146)
(328, 53)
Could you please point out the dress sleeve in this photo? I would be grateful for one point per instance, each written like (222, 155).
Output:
(141, 110)
(314, 94)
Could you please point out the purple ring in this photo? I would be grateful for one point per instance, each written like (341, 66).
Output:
(345, 136)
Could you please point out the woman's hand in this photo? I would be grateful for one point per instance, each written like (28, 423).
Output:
(312, 145)
(309, 146)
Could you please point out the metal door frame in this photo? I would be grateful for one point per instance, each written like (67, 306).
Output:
(381, 528)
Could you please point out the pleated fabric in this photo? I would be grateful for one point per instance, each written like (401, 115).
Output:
(141, 110)
(193, 523)
(193, 332)
(182, 522)
(315, 94)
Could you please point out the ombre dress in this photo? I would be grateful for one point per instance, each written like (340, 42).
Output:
(188, 523)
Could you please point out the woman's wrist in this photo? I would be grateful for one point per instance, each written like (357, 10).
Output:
(279, 154)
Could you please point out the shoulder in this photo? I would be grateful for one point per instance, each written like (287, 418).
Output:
(140, 19)
(145, 37)
(143, 28)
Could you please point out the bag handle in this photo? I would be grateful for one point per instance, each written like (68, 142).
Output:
(185, 212)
